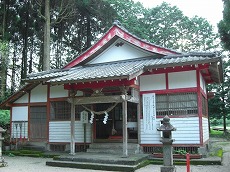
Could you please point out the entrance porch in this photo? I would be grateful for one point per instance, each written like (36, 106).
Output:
(99, 161)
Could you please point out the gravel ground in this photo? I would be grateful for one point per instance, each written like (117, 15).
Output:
(27, 164)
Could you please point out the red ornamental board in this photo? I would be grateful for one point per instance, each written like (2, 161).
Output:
(116, 31)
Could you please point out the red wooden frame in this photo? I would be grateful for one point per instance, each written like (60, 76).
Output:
(117, 31)
(101, 84)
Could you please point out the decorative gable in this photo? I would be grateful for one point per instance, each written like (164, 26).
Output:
(115, 33)
(120, 50)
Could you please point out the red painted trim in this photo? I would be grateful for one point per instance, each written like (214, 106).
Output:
(170, 69)
(174, 145)
(199, 102)
(19, 104)
(169, 91)
(204, 67)
(203, 93)
(58, 99)
(100, 84)
(116, 31)
(29, 97)
(167, 80)
(62, 143)
(10, 122)
(38, 104)
(48, 112)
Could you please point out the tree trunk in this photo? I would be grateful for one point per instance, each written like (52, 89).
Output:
(46, 56)
(25, 47)
(13, 85)
(3, 54)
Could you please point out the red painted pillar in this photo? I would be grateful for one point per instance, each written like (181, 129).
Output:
(188, 162)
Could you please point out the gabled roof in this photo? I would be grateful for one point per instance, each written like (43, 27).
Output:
(127, 69)
(25, 89)
(115, 32)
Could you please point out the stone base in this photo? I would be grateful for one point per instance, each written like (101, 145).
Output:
(168, 169)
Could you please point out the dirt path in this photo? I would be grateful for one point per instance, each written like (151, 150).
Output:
(27, 164)
(225, 167)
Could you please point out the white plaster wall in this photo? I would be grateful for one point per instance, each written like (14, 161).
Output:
(59, 131)
(23, 99)
(152, 82)
(187, 132)
(185, 79)
(39, 94)
(205, 129)
(58, 91)
(202, 83)
(20, 113)
(124, 52)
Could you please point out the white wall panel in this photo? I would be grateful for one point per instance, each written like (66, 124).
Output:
(202, 83)
(185, 79)
(23, 99)
(187, 132)
(20, 113)
(39, 94)
(152, 82)
(124, 52)
(58, 91)
(205, 129)
(59, 131)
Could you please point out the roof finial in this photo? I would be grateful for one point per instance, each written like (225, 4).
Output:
(117, 22)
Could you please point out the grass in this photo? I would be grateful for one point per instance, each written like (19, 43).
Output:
(219, 134)
(29, 153)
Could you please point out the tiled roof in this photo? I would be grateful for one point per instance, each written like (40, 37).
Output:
(121, 69)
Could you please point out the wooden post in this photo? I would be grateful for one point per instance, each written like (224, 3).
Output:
(72, 143)
(84, 136)
(125, 133)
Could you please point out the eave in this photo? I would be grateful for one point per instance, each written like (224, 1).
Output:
(108, 38)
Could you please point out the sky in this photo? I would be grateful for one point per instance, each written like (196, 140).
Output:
(208, 9)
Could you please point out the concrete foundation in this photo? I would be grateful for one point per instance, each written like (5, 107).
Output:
(168, 169)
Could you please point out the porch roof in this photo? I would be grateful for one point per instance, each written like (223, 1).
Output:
(127, 69)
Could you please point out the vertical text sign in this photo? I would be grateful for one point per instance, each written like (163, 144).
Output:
(149, 113)
(84, 117)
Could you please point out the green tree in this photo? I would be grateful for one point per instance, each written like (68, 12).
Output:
(169, 27)
(224, 25)
(219, 106)
(4, 118)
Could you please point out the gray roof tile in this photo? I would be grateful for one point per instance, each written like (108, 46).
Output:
(120, 69)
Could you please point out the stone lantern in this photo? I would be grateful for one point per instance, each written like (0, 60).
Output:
(166, 128)
(1, 139)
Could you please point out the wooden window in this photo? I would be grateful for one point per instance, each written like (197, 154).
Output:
(61, 110)
(176, 104)
(38, 128)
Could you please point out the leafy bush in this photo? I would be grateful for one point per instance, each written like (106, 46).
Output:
(4, 118)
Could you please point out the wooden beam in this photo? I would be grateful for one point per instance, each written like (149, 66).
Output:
(125, 124)
(104, 99)
(72, 124)
(100, 84)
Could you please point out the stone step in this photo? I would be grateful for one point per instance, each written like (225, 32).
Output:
(112, 145)
(112, 148)
(94, 166)
(111, 151)
(34, 147)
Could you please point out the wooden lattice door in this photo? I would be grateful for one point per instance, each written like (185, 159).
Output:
(38, 122)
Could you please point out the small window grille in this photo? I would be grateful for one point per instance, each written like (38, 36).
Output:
(61, 110)
(176, 104)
